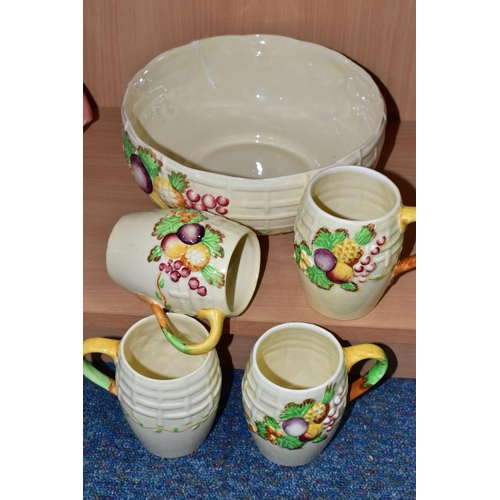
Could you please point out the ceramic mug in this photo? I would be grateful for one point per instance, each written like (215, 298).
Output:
(295, 389)
(348, 237)
(191, 262)
(169, 399)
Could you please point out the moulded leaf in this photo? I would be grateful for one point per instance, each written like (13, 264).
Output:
(319, 438)
(155, 254)
(326, 239)
(267, 422)
(298, 249)
(329, 392)
(212, 240)
(296, 410)
(151, 163)
(128, 147)
(365, 235)
(318, 277)
(167, 225)
(290, 442)
(349, 286)
(213, 276)
(178, 181)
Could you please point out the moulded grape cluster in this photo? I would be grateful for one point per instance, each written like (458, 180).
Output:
(207, 202)
(176, 270)
(334, 411)
(331, 419)
(366, 265)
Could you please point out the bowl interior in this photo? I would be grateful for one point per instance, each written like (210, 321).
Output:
(255, 106)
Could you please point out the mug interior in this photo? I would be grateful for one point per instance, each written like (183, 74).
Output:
(151, 355)
(242, 274)
(298, 357)
(355, 193)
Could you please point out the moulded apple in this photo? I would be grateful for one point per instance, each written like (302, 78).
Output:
(341, 273)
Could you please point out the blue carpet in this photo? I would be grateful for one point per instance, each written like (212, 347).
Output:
(372, 455)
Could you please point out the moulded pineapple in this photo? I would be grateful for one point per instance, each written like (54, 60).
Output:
(170, 190)
(349, 251)
(317, 413)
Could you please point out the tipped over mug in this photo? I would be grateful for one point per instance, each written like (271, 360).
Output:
(189, 261)
(295, 389)
(348, 237)
(168, 399)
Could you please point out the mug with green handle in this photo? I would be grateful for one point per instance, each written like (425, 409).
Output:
(186, 261)
(295, 389)
(168, 399)
(348, 238)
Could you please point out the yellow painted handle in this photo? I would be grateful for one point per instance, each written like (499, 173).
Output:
(356, 353)
(216, 319)
(101, 346)
(214, 316)
(406, 216)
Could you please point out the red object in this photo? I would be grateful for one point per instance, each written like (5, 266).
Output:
(87, 110)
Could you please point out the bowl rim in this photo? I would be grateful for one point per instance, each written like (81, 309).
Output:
(252, 183)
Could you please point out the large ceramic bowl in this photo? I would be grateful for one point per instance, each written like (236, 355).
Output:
(238, 125)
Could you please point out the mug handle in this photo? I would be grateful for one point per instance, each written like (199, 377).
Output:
(215, 318)
(406, 216)
(102, 346)
(356, 353)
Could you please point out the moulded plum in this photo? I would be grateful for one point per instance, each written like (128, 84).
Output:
(141, 175)
(295, 426)
(324, 259)
(190, 234)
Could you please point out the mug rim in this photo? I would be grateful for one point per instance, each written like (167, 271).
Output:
(369, 172)
(297, 393)
(172, 381)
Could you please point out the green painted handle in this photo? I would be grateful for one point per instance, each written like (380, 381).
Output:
(214, 316)
(357, 353)
(102, 346)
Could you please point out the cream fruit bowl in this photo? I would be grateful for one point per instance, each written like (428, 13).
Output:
(239, 124)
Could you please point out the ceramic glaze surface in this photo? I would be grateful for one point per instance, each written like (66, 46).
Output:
(348, 238)
(294, 393)
(168, 399)
(186, 259)
(240, 124)
(295, 388)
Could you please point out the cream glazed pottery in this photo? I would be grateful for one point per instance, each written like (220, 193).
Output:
(349, 233)
(239, 124)
(295, 389)
(168, 399)
(186, 261)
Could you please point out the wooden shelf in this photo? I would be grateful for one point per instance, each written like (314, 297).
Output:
(110, 191)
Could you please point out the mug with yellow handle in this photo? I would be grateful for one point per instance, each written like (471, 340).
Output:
(295, 389)
(168, 399)
(348, 237)
(186, 261)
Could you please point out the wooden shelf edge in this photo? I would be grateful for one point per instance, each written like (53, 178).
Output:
(110, 311)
